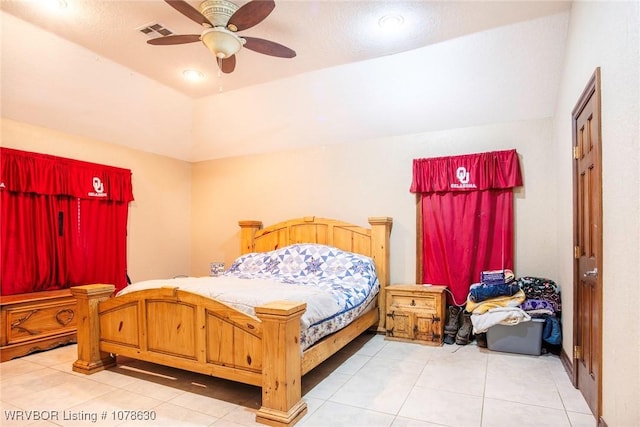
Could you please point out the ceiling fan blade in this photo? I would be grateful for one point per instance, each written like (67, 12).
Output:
(189, 11)
(227, 65)
(267, 47)
(174, 39)
(250, 14)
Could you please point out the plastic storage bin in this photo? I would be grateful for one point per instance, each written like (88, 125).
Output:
(523, 338)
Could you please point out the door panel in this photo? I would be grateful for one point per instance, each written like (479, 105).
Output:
(588, 245)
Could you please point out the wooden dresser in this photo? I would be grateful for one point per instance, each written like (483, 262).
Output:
(36, 321)
(416, 313)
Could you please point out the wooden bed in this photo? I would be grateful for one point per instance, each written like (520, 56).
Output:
(176, 328)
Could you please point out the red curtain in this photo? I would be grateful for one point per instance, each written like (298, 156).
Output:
(95, 246)
(29, 249)
(63, 222)
(466, 204)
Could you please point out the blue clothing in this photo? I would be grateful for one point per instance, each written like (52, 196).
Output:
(481, 291)
(552, 332)
(497, 277)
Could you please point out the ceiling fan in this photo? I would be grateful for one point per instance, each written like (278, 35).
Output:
(221, 20)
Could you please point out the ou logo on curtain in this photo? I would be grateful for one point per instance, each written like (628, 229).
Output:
(466, 217)
(462, 174)
(98, 186)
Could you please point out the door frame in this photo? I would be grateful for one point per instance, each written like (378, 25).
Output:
(592, 89)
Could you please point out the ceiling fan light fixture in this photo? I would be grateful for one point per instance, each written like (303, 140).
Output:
(218, 12)
(56, 5)
(221, 42)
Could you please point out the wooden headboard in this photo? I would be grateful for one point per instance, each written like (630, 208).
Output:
(372, 242)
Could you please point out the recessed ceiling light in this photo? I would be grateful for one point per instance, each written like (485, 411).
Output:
(56, 4)
(193, 75)
(391, 22)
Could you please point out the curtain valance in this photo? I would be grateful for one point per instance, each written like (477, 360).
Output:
(26, 172)
(470, 172)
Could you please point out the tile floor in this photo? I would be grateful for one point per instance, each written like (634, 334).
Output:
(372, 382)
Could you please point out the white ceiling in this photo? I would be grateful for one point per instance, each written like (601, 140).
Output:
(88, 71)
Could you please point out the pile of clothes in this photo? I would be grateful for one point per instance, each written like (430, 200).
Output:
(501, 298)
(543, 301)
(496, 300)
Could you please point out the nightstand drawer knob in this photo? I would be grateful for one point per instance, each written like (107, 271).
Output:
(413, 303)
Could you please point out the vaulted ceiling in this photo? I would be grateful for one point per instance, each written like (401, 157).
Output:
(88, 70)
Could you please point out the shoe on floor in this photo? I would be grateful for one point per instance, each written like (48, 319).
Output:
(452, 324)
(481, 340)
(463, 337)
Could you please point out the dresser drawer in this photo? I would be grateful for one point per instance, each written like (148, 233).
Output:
(414, 301)
(36, 321)
(29, 322)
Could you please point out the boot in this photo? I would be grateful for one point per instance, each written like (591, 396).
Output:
(452, 325)
(466, 329)
(481, 339)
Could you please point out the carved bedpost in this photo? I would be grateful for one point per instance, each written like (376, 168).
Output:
(90, 358)
(282, 403)
(247, 233)
(380, 232)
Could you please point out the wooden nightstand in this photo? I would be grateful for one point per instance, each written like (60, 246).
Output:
(416, 313)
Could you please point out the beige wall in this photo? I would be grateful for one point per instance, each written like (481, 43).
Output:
(354, 181)
(605, 34)
(158, 241)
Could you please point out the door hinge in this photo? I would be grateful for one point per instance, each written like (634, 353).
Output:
(576, 152)
(576, 252)
(392, 315)
(390, 332)
(577, 352)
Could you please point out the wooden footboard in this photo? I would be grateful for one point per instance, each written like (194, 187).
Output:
(187, 331)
